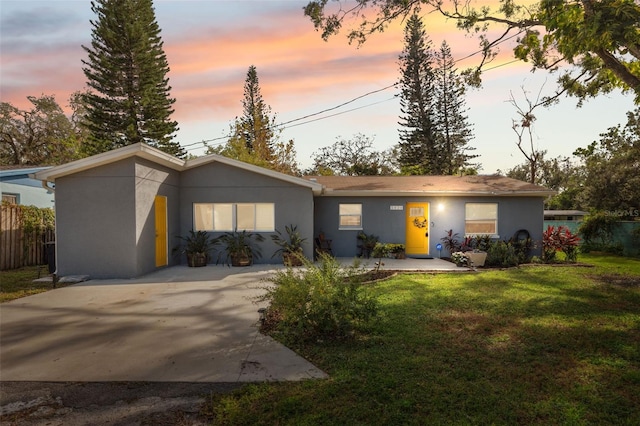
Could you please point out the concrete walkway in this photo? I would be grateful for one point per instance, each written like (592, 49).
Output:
(179, 324)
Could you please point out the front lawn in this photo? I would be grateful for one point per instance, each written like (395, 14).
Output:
(532, 345)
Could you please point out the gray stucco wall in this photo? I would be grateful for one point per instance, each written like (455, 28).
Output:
(152, 180)
(99, 232)
(220, 183)
(514, 213)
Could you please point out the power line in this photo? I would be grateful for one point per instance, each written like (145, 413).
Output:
(279, 125)
(283, 124)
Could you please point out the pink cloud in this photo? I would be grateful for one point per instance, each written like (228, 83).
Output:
(209, 61)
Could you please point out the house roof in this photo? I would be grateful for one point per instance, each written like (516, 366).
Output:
(478, 185)
(12, 172)
(154, 155)
(18, 175)
(565, 213)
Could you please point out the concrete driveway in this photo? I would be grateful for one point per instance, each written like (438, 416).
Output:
(176, 325)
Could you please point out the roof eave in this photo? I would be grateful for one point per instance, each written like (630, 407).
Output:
(315, 187)
(374, 193)
(138, 150)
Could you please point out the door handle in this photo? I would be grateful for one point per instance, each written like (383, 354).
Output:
(426, 234)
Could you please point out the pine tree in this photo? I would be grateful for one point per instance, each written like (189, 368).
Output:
(450, 121)
(129, 100)
(254, 136)
(418, 153)
(256, 124)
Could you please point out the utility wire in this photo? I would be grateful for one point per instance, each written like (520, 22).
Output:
(204, 142)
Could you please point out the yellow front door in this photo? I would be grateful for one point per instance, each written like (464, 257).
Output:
(162, 255)
(417, 229)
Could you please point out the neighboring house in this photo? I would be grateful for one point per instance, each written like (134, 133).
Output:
(118, 214)
(19, 188)
(565, 215)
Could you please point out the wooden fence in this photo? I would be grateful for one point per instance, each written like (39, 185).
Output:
(17, 247)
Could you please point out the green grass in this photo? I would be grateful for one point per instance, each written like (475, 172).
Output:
(533, 345)
(18, 283)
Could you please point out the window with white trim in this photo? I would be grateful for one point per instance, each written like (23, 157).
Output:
(350, 216)
(481, 219)
(225, 217)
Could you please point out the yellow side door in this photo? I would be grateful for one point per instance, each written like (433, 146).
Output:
(417, 238)
(162, 254)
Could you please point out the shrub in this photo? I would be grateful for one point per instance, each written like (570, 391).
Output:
(569, 244)
(450, 241)
(559, 239)
(522, 249)
(320, 301)
(388, 250)
(597, 229)
(550, 244)
(482, 242)
(502, 254)
(612, 248)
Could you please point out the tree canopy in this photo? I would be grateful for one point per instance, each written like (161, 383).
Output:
(39, 136)
(611, 178)
(354, 157)
(126, 68)
(593, 45)
(603, 176)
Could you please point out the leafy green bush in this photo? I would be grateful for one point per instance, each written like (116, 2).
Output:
(610, 247)
(319, 301)
(597, 229)
(502, 254)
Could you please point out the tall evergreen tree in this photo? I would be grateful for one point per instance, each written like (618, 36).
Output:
(254, 136)
(418, 153)
(126, 69)
(256, 124)
(450, 121)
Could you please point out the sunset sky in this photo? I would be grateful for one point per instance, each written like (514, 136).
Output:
(210, 45)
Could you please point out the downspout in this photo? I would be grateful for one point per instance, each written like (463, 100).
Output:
(45, 185)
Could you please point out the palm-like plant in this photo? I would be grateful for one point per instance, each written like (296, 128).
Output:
(197, 246)
(289, 246)
(240, 248)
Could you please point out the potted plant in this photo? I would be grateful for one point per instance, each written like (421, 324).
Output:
(397, 250)
(475, 249)
(240, 248)
(368, 243)
(197, 246)
(476, 257)
(289, 246)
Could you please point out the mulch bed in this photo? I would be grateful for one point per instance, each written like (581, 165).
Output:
(373, 276)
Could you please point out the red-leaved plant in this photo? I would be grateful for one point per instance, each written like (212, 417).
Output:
(559, 239)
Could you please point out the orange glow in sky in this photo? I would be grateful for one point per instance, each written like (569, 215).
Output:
(211, 44)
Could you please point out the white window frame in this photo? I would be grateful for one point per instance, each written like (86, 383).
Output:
(260, 222)
(481, 218)
(344, 213)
